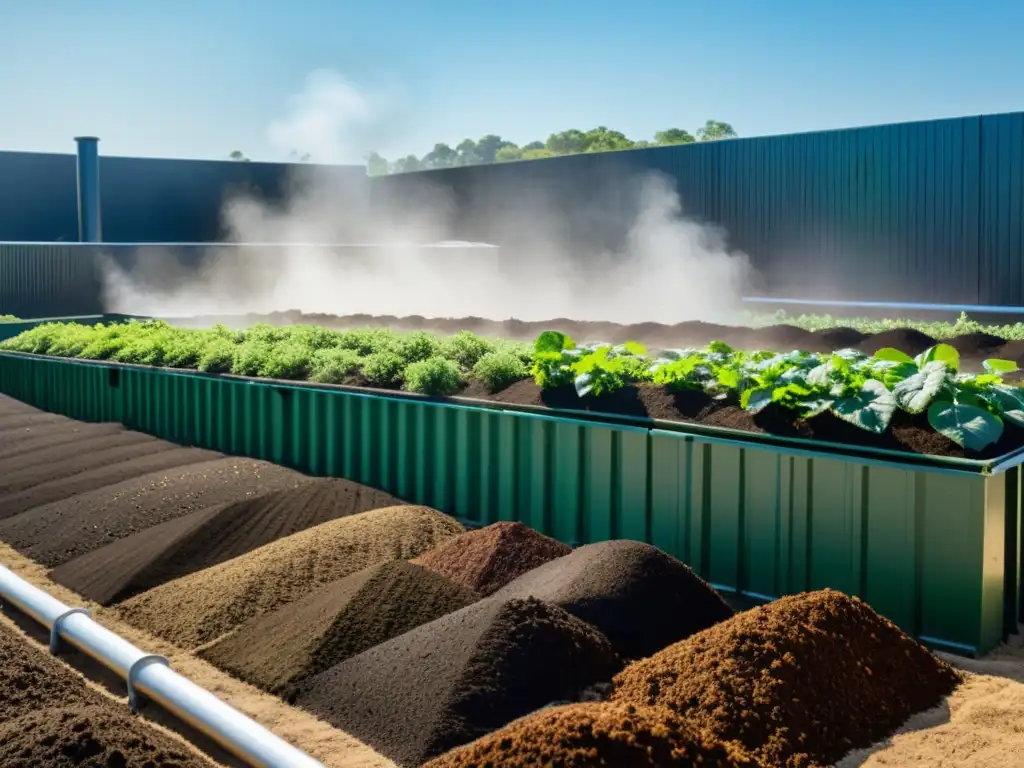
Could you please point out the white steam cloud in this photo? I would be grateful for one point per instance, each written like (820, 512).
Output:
(667, 269)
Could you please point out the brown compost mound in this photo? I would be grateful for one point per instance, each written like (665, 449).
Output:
(334, 623)
(97, 735)
(203, 606)
(11, 407)
(65, 489)
(641, 598)
(596, 735)
(488, 558)
(63, 530)
(460, 677)
(68, 433)
(49, 717)
(797, 682)
(211, 536)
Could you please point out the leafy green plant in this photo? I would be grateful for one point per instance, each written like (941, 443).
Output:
(250, 357)
(553, 356)
(499, 370)
(434, 376)
(608, 369)
(218, 356)
(334, 366)
(465, 348)
(289, 360)
(383, 369)
(9, 319)
(417, 346)
(367, 341)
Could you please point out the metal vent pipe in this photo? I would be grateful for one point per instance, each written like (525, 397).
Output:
(89, 216)
(152, 677)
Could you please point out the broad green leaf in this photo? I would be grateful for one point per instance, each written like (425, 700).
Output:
(818, 376)
(967, 425)
(916, 393)
(755, 400)
(943, 352)
(635, 348)
(553, 341)
(999, 366)
(728, 378)
(1005, 399)
(816, 407)
(584, 384)
(893, 355)
(870, 409)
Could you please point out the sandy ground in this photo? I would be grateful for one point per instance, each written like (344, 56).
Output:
(981, 725)
(334, 748)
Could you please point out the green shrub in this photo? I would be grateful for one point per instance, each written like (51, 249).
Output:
(500, 369)
(520, 349)
(38, 340)
(313, 336)
(465, 348)
(383, 369)
(367, 341)
(267, 334)
(250, 357)
(287, 360)
(434, 376)
(417, 346)
(9, 319)
(218, 356)
(333, 366)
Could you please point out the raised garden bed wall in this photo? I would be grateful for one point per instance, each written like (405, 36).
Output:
(934, 548)
(49, 279)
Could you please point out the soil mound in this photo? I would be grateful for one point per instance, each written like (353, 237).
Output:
(10, 407)
(487, 559)
(89, 735)
(595, 735)
(169, 457)
(455, 679)
(798, 682)
(334, 623)
(834, 339)
(203, 606)
(640, 598)
(211, 536)
(27, 679)
(27, 441)
(66, 529)
(19, 421)
(976, 344)
(908, 340)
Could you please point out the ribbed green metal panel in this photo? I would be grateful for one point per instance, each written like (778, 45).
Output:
(929, 548)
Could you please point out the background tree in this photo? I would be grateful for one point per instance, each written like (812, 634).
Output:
(713, 130)
(376, 165)
(674, 136)
(237, 155)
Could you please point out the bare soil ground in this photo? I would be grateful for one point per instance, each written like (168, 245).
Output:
(203, 606)
(211, 536)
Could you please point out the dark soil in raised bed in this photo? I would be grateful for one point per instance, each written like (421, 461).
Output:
(596, 735)
(459, 677)
(488, 558)
(50, 718)
(800, 681)
(334, 623)
(641, 598)
(91, 510)
(213, 535)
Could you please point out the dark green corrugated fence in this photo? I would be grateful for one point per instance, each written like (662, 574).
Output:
(927, 547)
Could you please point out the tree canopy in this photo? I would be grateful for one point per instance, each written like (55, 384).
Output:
(494, 149)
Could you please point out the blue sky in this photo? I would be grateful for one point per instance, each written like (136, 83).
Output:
(199, 78)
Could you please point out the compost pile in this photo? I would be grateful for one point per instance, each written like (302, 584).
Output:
(459, 677)
(338, 621)
(596, 735)
(798, 682)
(212, 536)
(203, 606)
(487, 559)
(83, 521)
(48, 717)
(640, 598)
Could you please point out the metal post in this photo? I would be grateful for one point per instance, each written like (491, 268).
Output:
(89, 218)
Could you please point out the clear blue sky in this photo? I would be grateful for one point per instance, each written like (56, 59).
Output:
(199, 78)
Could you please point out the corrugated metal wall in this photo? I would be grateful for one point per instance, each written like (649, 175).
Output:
(928, 211)
(144, 200)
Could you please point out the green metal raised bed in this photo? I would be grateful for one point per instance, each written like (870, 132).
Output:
(932, 543)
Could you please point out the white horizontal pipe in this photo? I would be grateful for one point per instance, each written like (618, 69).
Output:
(196, 706)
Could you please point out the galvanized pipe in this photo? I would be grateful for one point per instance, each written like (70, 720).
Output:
(151, 676)
(90, 228)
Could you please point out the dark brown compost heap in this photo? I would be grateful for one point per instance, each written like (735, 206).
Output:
(203, 606)
(797, 682)
(640, 598)
(595, 735)
(49, 718)
(459, 677)
(82, 522)
(338, 621)
(211, 536)
(487, 559)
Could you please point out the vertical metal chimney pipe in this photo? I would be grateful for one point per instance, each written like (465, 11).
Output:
(89, 219)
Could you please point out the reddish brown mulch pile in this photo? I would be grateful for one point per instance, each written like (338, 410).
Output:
(639, 597)
(798, 682)
(338, 621)
(595, 735)
(459, 677)
(487, 559)
(213, 535)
